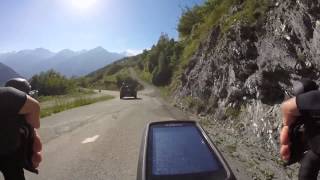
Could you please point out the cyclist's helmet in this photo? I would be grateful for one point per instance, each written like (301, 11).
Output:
(20, 84)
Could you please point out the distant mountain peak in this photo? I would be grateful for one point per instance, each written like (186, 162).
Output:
(67, 62)
(35, 50)
(6, 73)
(100, 49)
(66, 51)
(38, 52)
(42, 49)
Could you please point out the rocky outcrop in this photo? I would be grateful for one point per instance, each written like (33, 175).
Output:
(240, 77)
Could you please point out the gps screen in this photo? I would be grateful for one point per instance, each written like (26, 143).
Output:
(178, 150)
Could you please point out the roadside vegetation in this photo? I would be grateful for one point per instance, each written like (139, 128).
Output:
(52, 83)
(58, 93)
(60, 104)
(79, 93)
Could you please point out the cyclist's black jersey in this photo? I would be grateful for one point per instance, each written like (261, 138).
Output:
(11, 101)
(309, 107)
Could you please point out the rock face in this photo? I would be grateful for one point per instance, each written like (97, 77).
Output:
(239, 78)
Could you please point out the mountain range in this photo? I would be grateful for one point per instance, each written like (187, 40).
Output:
(67, 62)
(6, 73)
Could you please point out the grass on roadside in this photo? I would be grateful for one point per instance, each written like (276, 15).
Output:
(164, 91)
(62, 105)
(81, 92)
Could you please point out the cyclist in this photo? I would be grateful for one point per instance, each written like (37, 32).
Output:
(306, 105)
(15, 104)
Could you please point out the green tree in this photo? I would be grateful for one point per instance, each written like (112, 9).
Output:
(188, 20)
(52, 83)
(162, 74)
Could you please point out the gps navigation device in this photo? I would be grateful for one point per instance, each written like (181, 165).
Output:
(176, 150)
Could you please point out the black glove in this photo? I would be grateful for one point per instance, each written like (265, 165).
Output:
(298, 142)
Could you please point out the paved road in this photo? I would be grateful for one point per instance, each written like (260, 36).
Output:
(99, 141)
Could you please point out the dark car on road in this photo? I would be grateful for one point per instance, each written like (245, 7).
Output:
(128, 91)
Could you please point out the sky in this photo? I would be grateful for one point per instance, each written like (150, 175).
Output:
(116, 25)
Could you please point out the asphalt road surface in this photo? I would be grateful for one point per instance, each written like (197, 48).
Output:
(99, 141)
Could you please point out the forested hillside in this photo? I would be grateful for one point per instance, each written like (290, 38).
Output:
(112, 76)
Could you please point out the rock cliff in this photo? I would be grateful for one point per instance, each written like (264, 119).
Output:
(239, 77)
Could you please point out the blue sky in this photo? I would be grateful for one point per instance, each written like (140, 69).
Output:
(117, 25)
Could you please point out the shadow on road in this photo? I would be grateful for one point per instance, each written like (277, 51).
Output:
(130, 99)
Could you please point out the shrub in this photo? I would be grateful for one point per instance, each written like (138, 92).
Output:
(52, 83)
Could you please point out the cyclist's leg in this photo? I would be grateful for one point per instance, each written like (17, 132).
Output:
(310, 166)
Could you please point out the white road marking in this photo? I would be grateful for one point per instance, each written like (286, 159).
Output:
(90, 140)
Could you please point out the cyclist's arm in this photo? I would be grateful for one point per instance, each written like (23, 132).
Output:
(31, 111)
(13, 101)
(290, 112)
